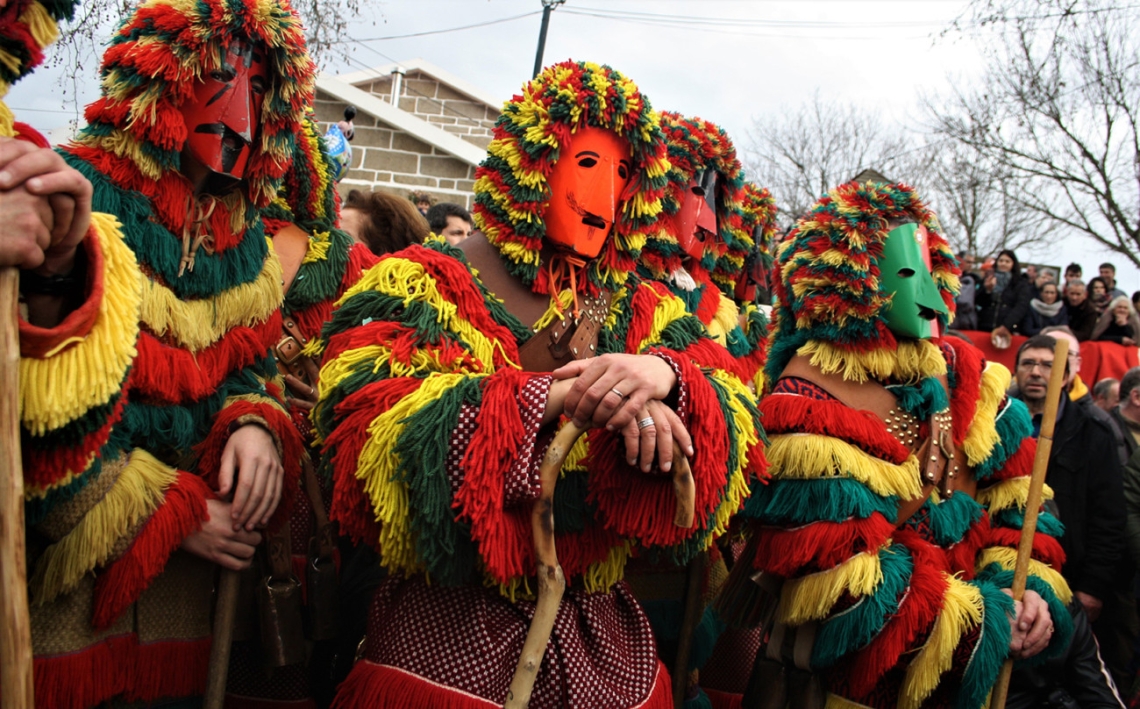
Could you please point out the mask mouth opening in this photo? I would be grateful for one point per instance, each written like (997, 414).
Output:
(927, 313)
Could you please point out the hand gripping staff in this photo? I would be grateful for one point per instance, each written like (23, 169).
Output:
(551, 580)
(1033, 502)
(16, 626)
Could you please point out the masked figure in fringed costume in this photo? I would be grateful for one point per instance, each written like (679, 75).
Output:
(288, 663)
(441, 386)
(899, 477)
(697, 251)
(194, 131)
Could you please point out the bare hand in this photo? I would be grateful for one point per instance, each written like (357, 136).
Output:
(252, 453)
(41, 172)
(611, 389)
(218, 542)
(1127, 341)
(1093, 605)
(304, 396)
(657, 438)
(1031, 626)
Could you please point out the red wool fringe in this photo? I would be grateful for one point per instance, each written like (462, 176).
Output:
(120, 666)
(503, 535)
(1045, 548)
(820, 545)
(404, 342)
(373, 685)
(182, 513)
(1020, 464)
(724, 700)
(920, 605)
(350, 506)
(44, 467)
(360, 259)
(968, 366)
(237, 701)
(641, 506)
(37, 341)
(784, 413)
(643, 303)
(293, 448)
(172, 375)
(963, 554)
(710, 299)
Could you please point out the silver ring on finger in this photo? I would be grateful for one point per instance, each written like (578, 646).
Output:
(620, 395)
(645, 422)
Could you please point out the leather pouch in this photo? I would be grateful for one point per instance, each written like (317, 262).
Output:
(279, 606)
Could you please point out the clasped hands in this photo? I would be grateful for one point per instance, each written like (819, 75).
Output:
(625, 393)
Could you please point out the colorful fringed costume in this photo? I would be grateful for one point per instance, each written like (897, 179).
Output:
(127, 406)
(432, 432)
(910, 612)
(329, 264)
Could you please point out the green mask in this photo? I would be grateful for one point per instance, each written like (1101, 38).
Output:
(906, 274)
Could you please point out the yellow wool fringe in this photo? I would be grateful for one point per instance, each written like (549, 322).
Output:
(319, 243)
(913, 361)
(1007, 558)
(834, 701)
(376, 468)
(1010, 493)
(197, 324)
(813, 596)
(982, 436)
(746, 436)
(32, 492)
(602, 575)
(727, 318)
(407, 280)
(61, 388)
(807, 456)
(962, 609)
(669, 309)
(565, 299)
(44, 31)
(135, 496)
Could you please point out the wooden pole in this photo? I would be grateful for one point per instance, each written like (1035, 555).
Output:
(1033, 502)
(225, 609)
(16, 687)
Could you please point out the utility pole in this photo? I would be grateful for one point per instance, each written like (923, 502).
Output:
(547, 6)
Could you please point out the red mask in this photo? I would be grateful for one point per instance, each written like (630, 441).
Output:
(694, 224)
(752, 276)
(585, 187)
(223, 115)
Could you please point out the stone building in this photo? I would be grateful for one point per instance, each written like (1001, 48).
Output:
(418, 128)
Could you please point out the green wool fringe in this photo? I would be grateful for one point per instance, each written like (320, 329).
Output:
(791, 503)
(1014, 425)
(952, 518)
(991, 649)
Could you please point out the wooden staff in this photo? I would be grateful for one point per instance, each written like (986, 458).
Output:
(16, 626)
(225, 610)
(1033, 502)
(551, 580)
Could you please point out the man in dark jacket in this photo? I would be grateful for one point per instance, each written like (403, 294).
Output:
(1082, 314)
(1085, 475)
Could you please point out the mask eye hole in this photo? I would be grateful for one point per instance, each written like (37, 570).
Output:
(222, 75)
(697, 190)
(623, 171)
(587, 162)
(906, 272)
(257, 84)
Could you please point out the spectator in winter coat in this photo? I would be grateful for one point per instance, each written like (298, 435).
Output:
(1045, 310)
(1004, 297)
(1080, 310)
(1118, 323)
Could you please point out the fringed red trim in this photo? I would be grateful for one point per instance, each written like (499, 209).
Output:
(182, 513)
(360, 259)
(120, 666)
(237, 701)
(920, 605)
(310, 320)
(372, 685)
(707, 353)
(293, 448)
(964, 553)
(1018, 465)
(404, 343)
(22, 131)
(576, 551)
(199, 375)
(1045, 548)
(43, 467)
(820, 545)
(503, 535)
(723, 700)
(37, 342)
(643, 303)
(969, 363)
(710, 296)
(641, 506)
(351, 508)
(785, 413)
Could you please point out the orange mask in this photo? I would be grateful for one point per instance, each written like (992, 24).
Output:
(585, 187)
(694, 224)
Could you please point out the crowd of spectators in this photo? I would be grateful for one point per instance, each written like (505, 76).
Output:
(1000, 297)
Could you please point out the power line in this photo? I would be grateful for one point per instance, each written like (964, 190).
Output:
(425, 33)
(688, 20)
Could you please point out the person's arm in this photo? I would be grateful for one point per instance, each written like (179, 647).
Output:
(1086, 678)
(1105, 514)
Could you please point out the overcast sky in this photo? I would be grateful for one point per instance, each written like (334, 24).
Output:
(724, 60)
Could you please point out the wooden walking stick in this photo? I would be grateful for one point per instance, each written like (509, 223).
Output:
(16, 626)
(1033, 502)
(225, 609)
(551, 580)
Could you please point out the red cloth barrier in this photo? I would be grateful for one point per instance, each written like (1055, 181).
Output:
(1098, 359)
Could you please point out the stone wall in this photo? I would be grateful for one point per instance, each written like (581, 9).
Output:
(384, 158)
